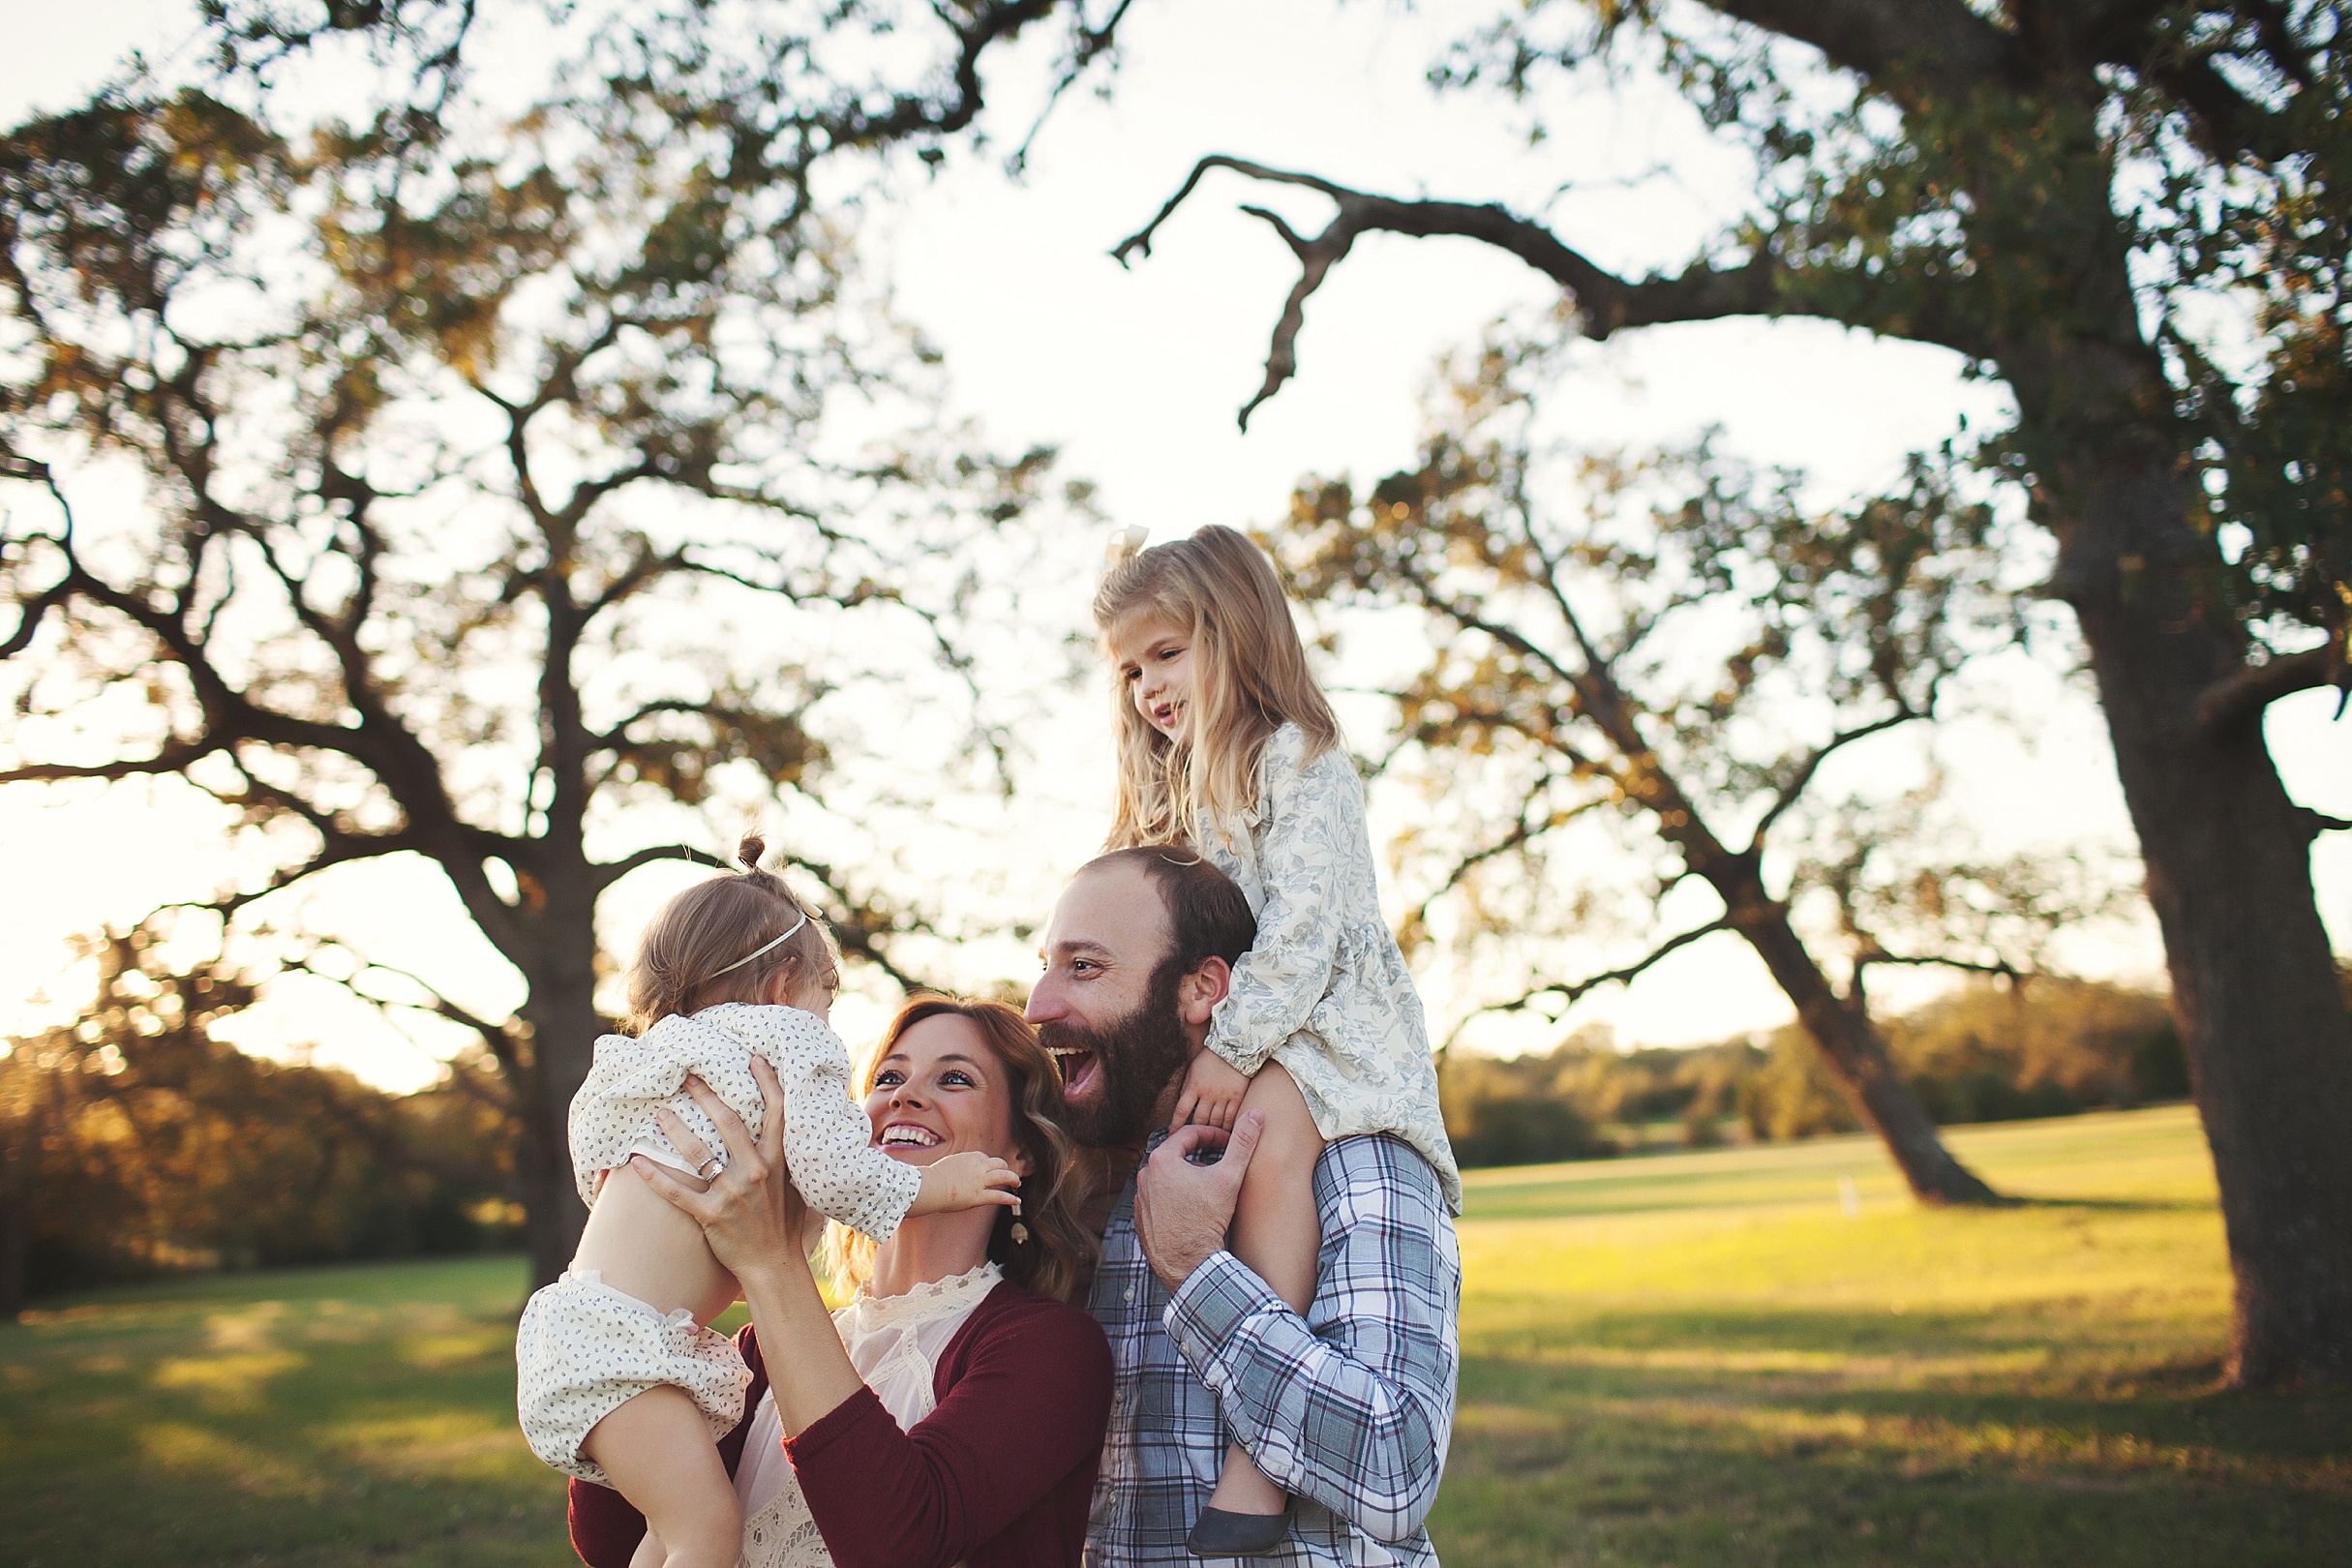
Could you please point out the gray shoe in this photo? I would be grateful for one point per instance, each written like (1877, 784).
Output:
(1217, 1533)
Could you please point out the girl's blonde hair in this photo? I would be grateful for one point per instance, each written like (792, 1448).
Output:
(691, 954)
(1250, 678)
(1056, 1253)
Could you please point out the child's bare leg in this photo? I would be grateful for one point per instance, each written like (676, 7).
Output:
(657, 1452)
(1277, 1233)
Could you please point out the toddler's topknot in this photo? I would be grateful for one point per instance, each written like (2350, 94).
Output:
(691, 954)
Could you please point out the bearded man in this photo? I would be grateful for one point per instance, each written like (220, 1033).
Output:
(1347, 1408)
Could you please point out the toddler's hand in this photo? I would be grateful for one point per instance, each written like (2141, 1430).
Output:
(970, 1180)
(1211, 1094)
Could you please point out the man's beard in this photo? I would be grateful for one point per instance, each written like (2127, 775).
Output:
(1135, 1058)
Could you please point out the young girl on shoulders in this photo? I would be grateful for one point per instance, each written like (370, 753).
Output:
(622, 1381)
(1225, 742)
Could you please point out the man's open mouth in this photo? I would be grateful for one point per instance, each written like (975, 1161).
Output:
(1077, 1068)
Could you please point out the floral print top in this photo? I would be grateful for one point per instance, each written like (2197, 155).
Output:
(1324, 990)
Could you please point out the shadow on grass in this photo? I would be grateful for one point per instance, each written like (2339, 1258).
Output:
(1777, 1435)
(320, 1417)
(2111, 1205)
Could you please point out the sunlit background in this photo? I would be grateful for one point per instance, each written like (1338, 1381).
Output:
(1134, 376)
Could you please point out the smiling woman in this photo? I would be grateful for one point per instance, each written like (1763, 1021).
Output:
(951, 1075)
(954, 1411)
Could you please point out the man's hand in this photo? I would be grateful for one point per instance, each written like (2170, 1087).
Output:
(1183, 1208)
(1212, 1092)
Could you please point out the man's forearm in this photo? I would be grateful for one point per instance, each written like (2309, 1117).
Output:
(1363, 1435)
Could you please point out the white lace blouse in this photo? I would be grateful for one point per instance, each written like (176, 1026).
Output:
(896, 1343)
(1324, 990)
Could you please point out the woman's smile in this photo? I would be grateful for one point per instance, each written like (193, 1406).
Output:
(897, 1135)
(934, 1093)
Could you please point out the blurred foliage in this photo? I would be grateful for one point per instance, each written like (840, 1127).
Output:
(1979, 177)
(135, 1142)
(1640, 678)
(1987, 1052)
(532, 461)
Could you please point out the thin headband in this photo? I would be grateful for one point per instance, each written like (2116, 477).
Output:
(761, 949)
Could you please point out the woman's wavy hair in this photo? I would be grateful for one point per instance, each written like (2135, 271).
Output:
(1059, 1255)
(1250, 678)
(690, 955)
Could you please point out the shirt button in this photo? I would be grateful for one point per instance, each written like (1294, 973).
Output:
(1130, 1293)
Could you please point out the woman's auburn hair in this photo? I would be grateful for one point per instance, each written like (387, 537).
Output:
(1058, 1257)
(1250, 678)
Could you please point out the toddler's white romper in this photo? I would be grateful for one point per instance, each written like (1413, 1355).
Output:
(583, 1348)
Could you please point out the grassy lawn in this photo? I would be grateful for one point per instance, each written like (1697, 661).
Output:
(316, 1416)
(1717, 1359)
(1691, 1359)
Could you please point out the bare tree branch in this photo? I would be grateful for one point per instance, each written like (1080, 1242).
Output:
(2240, 696)
(1787, 795)
(1569, 994)
(612, 871)
(2001, 967)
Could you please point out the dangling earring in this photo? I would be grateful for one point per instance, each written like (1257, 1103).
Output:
(1020, 1231)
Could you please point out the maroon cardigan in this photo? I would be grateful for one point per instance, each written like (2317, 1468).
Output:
(1000, 1475)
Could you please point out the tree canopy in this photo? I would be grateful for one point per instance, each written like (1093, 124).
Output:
(528, 463)
(2133, 216)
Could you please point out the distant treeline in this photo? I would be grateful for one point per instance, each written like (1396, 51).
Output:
(1983, 1054)
(133, 1143)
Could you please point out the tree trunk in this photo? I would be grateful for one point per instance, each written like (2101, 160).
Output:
(564, 1024)
(16, 1229)
(1849, 1043)
(2254, 986)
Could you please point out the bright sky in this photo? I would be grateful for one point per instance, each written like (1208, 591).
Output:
(1136, 375)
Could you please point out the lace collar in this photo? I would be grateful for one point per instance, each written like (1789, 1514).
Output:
(931, 1300)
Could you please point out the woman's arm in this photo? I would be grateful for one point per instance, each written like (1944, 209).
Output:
(756, 1223)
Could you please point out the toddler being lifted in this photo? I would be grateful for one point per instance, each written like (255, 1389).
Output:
(622, 1381)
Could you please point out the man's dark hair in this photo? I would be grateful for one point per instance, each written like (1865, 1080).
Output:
(1208, 918)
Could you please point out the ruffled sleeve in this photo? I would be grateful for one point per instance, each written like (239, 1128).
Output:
(1312, 819)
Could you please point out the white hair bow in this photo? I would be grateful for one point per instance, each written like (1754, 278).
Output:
(1123, 547)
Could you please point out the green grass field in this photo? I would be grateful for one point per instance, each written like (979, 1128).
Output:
(1692, 1359)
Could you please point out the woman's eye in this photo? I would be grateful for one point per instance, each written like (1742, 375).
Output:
(888, 1080)
(962, 1080)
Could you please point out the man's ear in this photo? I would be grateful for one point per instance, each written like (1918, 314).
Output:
(1198, 992)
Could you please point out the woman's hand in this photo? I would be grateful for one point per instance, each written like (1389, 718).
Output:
(751, 1214)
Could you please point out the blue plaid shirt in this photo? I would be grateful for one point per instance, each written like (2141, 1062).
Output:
(1349, 1408)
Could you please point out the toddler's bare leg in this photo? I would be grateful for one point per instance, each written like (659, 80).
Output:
(657, 1452)
(1277, 1233)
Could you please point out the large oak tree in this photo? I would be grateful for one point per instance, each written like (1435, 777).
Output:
(1644, 677)
(520, 466)
(2079, 198)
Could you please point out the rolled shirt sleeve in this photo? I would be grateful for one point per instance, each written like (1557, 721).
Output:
(1352, 1404)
